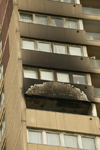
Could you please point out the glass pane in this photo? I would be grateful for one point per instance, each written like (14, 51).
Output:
(75, 51)
(95, 63)
(62, 77)
(79, 79)
(72, 24)
(71, 141)
(46, 75)
(57, 22)
(28, 45)
(53, 139)
(41, 20)
(88, 143)
(93, 36)
(97, 92)
(26, 18)
(35, 137)
(69, 1)
(60, 49)
(91, 11)
(30, 74)
(44, 47)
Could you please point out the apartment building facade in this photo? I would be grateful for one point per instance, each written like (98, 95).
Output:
(49, 74)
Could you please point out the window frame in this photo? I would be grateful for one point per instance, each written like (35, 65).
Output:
(48, 71)
(61, 137)
(26, 13)
(65, 73)
(31, 68)
(40, 15)
(31, 40)
(70, 19)
(66, 49)
(38, 41)
(75, 46)
(80, 74)
(56, 17)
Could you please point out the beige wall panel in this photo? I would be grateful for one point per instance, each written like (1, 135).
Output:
(9, 76)
(70, 122)
(42, 119)
(85, 125)
(19, 143)
(60, 121)
(24, 29)
(47, 147)
(36, 5)
(15, 124)
(31, 114)
(22, 4)
(64, 121)
(32, 146)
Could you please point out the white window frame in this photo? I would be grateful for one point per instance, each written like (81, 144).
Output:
(61, 45)
(55, 17)
(30, 40)
(47, 71)
(30, 68)
(40, 15)
(62, 141)
(26, 13)
(72, 20)
(44, 42)
(69, 45)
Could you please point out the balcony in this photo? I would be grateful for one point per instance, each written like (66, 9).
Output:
(95, 63)
(62, 122)
(93, 36)
(97, 92)
(91, 11)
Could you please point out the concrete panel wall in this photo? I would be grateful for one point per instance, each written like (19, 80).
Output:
(62, 122)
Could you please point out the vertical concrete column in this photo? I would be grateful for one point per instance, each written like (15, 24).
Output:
(97, 141)
(77, 1)
(94, 110)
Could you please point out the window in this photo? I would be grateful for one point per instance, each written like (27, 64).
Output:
(35, 137)
(71, 141)
(0, 42)
(91, 11)
(62, 77)
(62, 139)
(26, 18)
(41, 20)
(3, 125)
(60, 49)
(88, 143)
(57, 22)
(47, 75)
(53, 139)
(28, 45)
(30, 73)
(69, 1)
(72, 24)
(75, 51)
(1, 99)
(93, 36)
(1, 70)
(44, 47)
(79, 79)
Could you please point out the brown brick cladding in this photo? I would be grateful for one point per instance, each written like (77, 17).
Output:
(7, 18)
(6, 56)
(2, 9)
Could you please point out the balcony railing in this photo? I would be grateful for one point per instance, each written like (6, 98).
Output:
(95, 63)
(97, 92)
(93, 36)
(91, 11)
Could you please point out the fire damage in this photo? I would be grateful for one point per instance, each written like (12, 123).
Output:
(55, 96)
